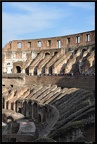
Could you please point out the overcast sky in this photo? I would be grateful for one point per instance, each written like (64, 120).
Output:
(31, 20)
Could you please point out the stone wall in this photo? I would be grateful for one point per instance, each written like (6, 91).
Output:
(52, 42)
(85, 82)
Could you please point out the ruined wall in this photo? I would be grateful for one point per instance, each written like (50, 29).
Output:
(86, 82)
(13, 80)
(52, 42)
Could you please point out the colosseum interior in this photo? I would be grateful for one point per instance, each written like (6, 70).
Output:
(48, 89)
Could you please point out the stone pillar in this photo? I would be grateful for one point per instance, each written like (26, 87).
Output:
(9, 105)
(31, 71)
(54, 71)
(47, 70)
(38, 71)
(23, 71)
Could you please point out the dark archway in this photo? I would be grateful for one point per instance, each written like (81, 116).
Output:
(93, 48)
(27, 70)
(46, 54)
(70, 49)
(29, 109)
(23, 109)
(12, 106)
(35, 110)
(7, 104)
(84, 50)
(55, 53)
(45, 112)
(39, 118)
(18, 68)
(75, 51)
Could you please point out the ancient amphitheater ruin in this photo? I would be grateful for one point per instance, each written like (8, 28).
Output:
(48, 89)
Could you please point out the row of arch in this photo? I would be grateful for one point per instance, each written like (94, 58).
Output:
(19, 68)
(30, 109)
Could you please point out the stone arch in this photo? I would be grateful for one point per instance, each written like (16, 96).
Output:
(55, 53)
(47, 53)
(18, 68)
(83, 50)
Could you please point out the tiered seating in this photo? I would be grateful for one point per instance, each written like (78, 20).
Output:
(34, 91)
(40, 92)
(52, 88)
(71, 105)
(75, 106)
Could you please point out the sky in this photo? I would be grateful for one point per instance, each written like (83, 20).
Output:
(32, 20)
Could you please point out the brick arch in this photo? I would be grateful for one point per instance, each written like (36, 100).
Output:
(47, 53)
(17, 67)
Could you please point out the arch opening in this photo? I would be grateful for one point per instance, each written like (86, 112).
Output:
(55, 53)
(46, 54)
(93, 48)
(35, 110)
(18, 68)
(39, 118)
(84, 50)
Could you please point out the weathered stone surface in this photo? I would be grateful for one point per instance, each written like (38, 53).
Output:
(49, 91)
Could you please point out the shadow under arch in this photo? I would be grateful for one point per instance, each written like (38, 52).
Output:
(18, 68)
(47, 53)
